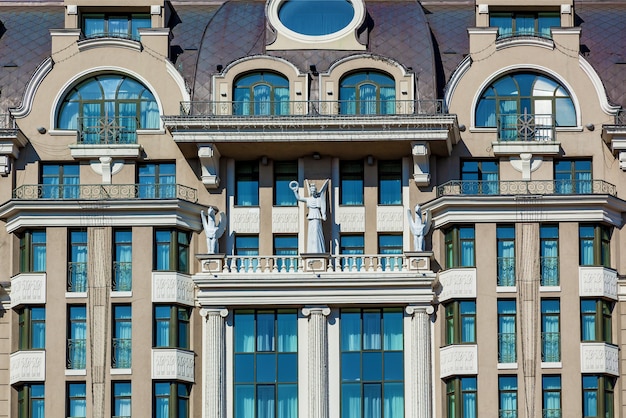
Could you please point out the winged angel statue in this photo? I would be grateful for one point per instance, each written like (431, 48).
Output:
(419, 227)
(213, 231)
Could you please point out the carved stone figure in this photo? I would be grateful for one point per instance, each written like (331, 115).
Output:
(212, 230)
(316, 203)
(419, 227)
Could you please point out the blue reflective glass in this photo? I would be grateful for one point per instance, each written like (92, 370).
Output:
(372, 393)
(244, 368)
(351, 400)
(316, 17)
(288, 367)
(394, 365)
(372, 366)
(244, 401)
(350, 366)
(244, 332)
(266, 368)
(350, 331)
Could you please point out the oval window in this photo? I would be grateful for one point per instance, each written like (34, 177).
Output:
(316, 17)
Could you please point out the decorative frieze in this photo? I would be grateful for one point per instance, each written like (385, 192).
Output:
(285, 220)
(457, 283)
(245, 220)
(171, 363)
(172, 287)
(599, 358)
(28, 288)
(598, 282)
(390, 218)
(28, 366)
(350, 219)
(461, 359)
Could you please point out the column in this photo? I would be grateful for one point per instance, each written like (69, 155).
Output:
(318, 360)
(214, 362)
(420, 378)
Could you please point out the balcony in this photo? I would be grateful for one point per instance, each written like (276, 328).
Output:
(457, 283)
(551, 413)
(507, 347)
(27, 366)
(532, 187)
(597, 281)
(99, 136)
(507, 413)
(526, 133)
(8, 127)
(599, 358)
(172, 287)
(122, 276)
(121, 356)
(614, 135)
(76, 353)
(28, 288)
(460, 359)
(506, 272)
(549, 271)
(77, 277)
(173, 363)
(550, 347)
(105, 192)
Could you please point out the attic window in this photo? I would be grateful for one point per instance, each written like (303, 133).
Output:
(316, 17)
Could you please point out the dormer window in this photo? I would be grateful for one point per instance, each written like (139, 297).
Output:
(513, 24)
(261, 93)
(367, 93)
(114, 25)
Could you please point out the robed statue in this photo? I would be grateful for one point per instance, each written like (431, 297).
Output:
(316, 203)
(212, 230)
(419, 227)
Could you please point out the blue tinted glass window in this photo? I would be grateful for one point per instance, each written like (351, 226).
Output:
(247, 183)
(77, 400)
(261, 93)
(284, 173)
(121, 399)
(316, 17)
(351, 174)
(390, 182)
(367, 93)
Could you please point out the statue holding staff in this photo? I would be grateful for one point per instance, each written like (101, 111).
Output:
(316, 203)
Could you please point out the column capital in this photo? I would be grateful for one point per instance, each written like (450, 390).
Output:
(310, 310)
(217, 310)
(413, 309)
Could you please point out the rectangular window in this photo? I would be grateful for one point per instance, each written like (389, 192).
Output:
(507, 393)
(351, 248)
(171, 250)
(32, 328)
(372, 363)
(351, 178)
(60, 181)
(121, 399)
(525, 24)
(505, 237)
(550, 330)
(123, 261)
(33, 252)
(77, 337)
(549, 237)
(30, 401)
(77, 269)
(551, 394)
(247, 183)
(286, 252)
(77, 400)
(156, 181)
(284, 173)
(507, 335)
(122, 337)
(479, 177)
(117, 25)
(171, 326)
(459, 242)
(266, 363)
(247, 252)
(572, 177)
(390, 250)
(595, 245)
(461, 322)
(171, 399)
(390, 182)
(598, 396)
(461, 397)
(596, 320)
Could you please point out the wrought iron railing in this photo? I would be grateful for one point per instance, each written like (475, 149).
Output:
(523, 34)
(551, 347)
(76, 353)
(122, 353)
(7, 123)
(111, 34)
(526, 127)
(534, 187)
(549, 271)
(342, 108)
(506, 271)
(122, 276)
(77, 277)
(506, 347)
(551, 413)
(107, 130)
(507, 413)
(337, 263)
(620, 117)
(105, 192)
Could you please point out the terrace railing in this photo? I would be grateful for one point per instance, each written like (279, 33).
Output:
(107, 130)
(551, 347)
(533, 187)
(526, 127)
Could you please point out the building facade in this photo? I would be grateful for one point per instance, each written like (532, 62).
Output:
(255, 209)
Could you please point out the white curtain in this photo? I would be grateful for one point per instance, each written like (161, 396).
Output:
(350, 331)
(372, 400)
(371, 331)
(287, 401)
(287, 325)
(552, 396)
(506, 326)
(265, 332)
(244, 333)
(387, 100)
(550, 326)
(549, 263)
(262, 99)
(367, 99)
(351, 400)
(265, 402)
(281, 100)
(244, 401)
(78, 403)
(394, 400)
(393, 330)
(508, 396)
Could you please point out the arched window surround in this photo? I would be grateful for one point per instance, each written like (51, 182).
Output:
(526, 68)
(380, 101)
(265, 92)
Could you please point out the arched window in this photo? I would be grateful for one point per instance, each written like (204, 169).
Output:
(524, 100)
(367, 93)
(261, 93)
(112, 100)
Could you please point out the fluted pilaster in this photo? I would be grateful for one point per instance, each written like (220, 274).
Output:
(420, 378)
(318, 360)
(213, 362)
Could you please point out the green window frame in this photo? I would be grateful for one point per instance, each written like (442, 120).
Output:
(462, 397)
(33, 251)
(507, 331)
(505, 242)
(551, 396)
(595, 245)
(598, 396)
(507, 396)
(480, 177)
(573, 176)
(512, 24)
(549, 255)
(286, 252)
(172, 326)
(171, 250)
(247, 183)
(460, 322)
(550, 330)
(30, 400)
(60, 181)
(596, 320)
(261, 93)
(76, 399)
(170, 399)
(114, 25)
(390, 182)
(32, 328)
(122, 260)
(460, 246)
(156, 180)
(367, 93)
(76, 337)
(77, 280)
(121, 343)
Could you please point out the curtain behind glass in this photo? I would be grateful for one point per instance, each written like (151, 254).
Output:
(287, 327)
(506, 325)
(508, 395)
(78, 402)
(350, 331)
(469, 398)
(281, 100)
(287, 401)
(38, 324)
(367, 99)
(394, 400)
(387, 100)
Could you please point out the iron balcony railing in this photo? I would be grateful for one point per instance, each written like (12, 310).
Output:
(506, 347)
(111, 34)
(551, 347)
(122, 353)
(122, 276)
(507, 413)
(7, 123)
(526, 127)
(549, 271)
(620, 118)
(77, 277)
(551, 413)
(506, 271)
(105, 192)
(523, 34)
(76, 353)
(312, 108)
(532, 187)
(100, 130)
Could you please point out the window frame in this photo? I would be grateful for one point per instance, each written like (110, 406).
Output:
(549, 263)
(30, 243)
(132, 31)
(177, 395)
(121, 347)
(76, 355)
(603, 393)
(286, 255)
(351, 101)
(351, 177)
(247, 172)
(547, 339)
(284, 173)
(454, 244)
(29, 320)
(62, 183)
(390, 174)
(178, 320)
(569, 176)
(120, 397)
(537, 26)
(27, 395)
(248, 254)
(178, 244)
(504, 339)
(505, 235)
(351, 247)
(601, 241)
(456, 314)
(154, 180)
(503, 391)
(456, 393)
(76, 398)
(122, 277)
(271, 82)
(547, 392)
(602, 315)
(475, 174)
(78, 248)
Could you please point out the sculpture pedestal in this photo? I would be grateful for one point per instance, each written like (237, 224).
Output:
(315, 262)
(419, 260)
(211, 263)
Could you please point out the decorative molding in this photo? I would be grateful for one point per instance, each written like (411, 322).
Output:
(390, 218)
(457, 283)
(285, 219)
(458, 360)
(91, 43)
(173, 364)
(27, 366)
(350, 218)
(92, 151)
(245, 220)
(318, 360)
(106, 168)
(316, 310)
(172, 287)
(598, 86)
(526, 164)
(597, 281)
(421, 163)
(210, 165)
(213, 362)
(599, 358)
(28, 288)
(31, 88)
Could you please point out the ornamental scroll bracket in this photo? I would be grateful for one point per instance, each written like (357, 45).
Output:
(210, 161)
(421, 163)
